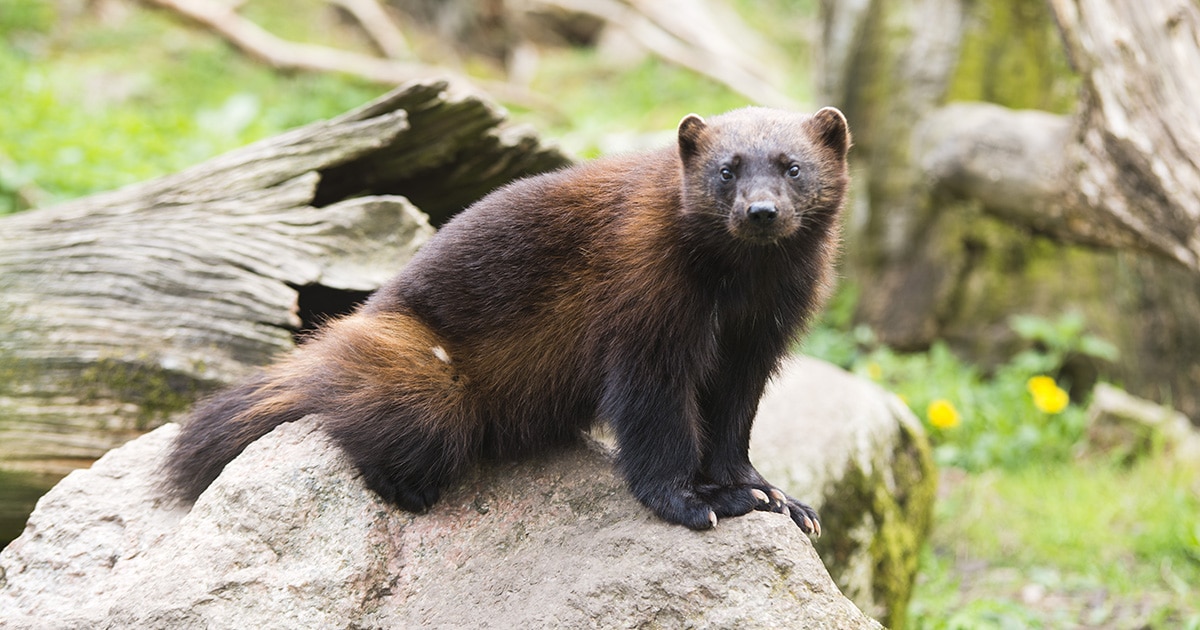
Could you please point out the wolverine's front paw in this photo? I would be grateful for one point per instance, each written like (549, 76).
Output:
(680, 506)
(733, 500)
(802, 515)
(736, 500)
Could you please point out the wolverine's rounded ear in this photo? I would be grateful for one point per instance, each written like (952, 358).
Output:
(830, 128)
(691, 131)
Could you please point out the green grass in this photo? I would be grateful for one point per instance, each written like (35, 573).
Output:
(1136, 515)
(604, 105)
(1031, 531)
(82, 113)
(91, 105)
(654, 97)
(1086, 543)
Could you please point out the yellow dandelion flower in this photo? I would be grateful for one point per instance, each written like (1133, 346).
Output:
(1048, 397)
(874, 371)
(942, 414)
(1040, 384)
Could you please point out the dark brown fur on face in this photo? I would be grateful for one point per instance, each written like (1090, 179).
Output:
(657, 291)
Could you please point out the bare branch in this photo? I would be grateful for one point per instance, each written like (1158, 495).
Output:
(701, 46)
(378, 25)
(253, 40)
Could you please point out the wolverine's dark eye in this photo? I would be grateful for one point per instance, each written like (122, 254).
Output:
(793, 171)
(726, 173)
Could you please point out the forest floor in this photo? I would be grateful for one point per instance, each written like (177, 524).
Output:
(1088, 544)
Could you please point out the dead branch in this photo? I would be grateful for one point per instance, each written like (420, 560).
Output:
(257, 42)
(697, 43)
(379, 26)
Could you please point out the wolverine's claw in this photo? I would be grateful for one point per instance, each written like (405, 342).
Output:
(780, 500)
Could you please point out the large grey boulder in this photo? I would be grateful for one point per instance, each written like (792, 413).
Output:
(289, 537)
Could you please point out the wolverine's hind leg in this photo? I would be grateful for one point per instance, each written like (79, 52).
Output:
(398, 406)
(409, 468)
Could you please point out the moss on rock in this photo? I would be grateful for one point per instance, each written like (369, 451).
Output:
(887, 512)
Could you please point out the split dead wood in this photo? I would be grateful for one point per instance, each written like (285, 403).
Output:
(118, 309)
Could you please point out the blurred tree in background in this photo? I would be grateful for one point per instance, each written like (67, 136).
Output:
(972, 213)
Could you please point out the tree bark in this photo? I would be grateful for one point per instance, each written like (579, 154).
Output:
(119, 309)
(970, 211)
(1123, 172)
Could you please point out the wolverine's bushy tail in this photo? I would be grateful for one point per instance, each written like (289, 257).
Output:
(386, 389)
(222, 427)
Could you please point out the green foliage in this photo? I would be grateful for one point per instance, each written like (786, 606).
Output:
(16, 183)
(1027, 534)
(1057, 340)
(976, 420)
(19, 18)
(81, 114)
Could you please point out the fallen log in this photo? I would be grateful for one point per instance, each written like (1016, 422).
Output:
(119, 309)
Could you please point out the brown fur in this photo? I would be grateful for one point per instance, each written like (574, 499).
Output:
(657, 291)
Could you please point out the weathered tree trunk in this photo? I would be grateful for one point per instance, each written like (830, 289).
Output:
(118, 310)
(951, 191)
(1122, 171)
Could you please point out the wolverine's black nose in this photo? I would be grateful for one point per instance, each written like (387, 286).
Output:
(762, 212)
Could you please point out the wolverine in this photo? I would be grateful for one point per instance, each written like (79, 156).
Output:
(654, 291)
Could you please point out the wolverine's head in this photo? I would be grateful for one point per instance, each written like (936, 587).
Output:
(767, 173)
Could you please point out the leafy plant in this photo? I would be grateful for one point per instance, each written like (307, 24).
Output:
(1018, 415)
(1054, 341)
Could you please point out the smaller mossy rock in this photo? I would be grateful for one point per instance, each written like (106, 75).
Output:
(861, 458)
(1128, 428)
